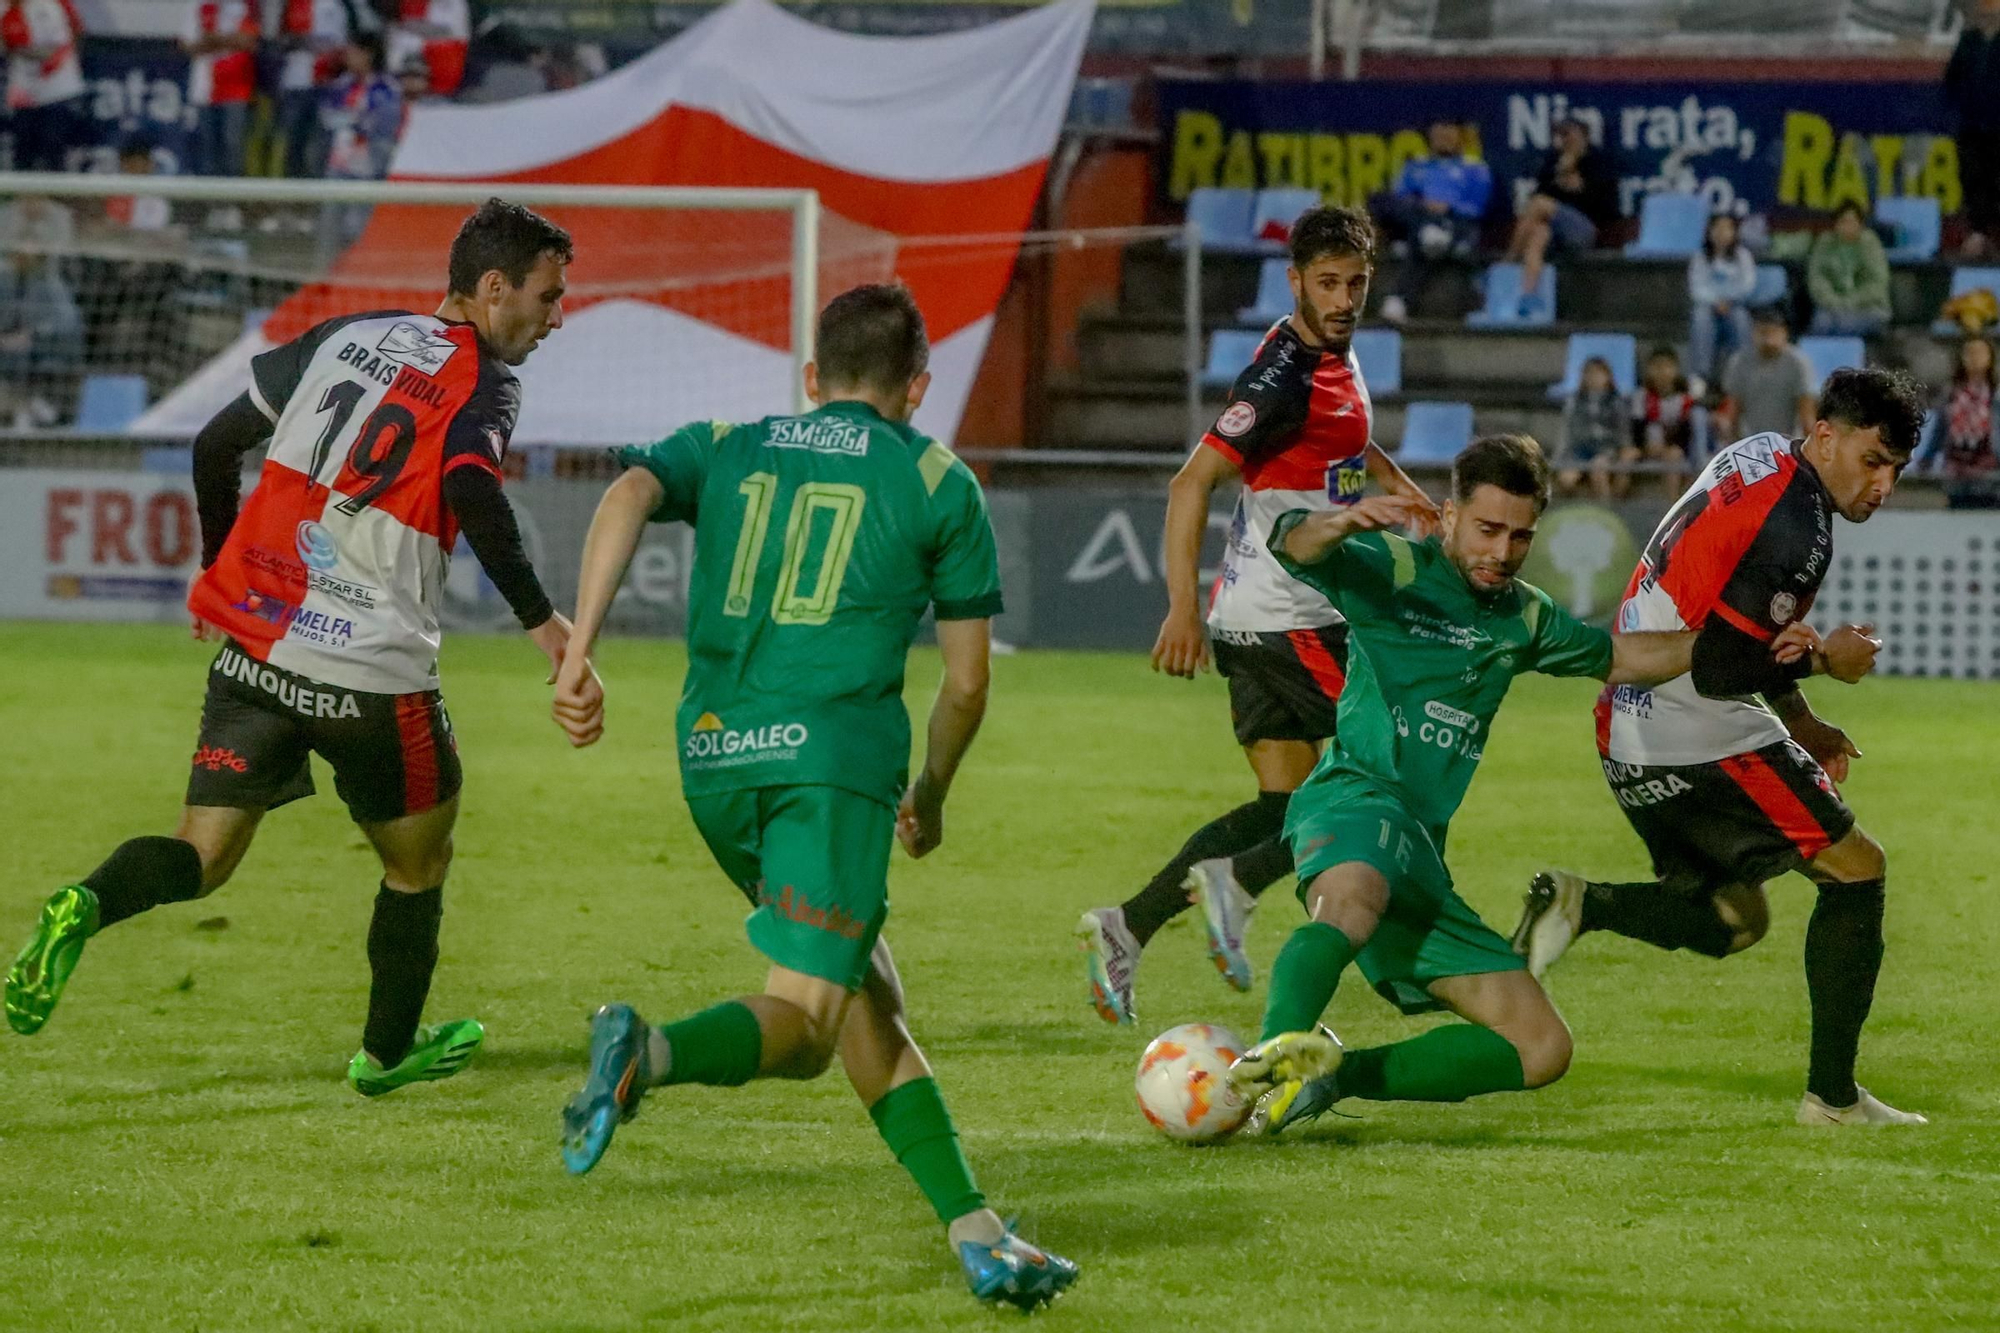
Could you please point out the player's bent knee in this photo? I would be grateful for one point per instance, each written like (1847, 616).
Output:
(1854, 859)
(1351, 898)
(1545, 1053)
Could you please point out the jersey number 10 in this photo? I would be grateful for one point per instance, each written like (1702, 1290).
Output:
(791, 604)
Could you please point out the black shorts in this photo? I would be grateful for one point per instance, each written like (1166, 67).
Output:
(1283, 687)
(392, 754)
(1740, 820)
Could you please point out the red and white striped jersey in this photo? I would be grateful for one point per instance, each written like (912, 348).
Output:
(335, 566)
(1297, 425)
(1750, 542)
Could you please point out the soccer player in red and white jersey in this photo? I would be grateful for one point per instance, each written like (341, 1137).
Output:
(220, 38)
(1725, 772)
(386, 433)
(1298, 432)
(44, 81)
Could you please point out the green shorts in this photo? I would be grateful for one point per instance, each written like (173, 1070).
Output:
(1428, 931)
(815, 862)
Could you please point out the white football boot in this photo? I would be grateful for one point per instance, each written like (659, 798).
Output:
(1112, 955)
(1225, 909)
(1551, 918)
(1868, 1109)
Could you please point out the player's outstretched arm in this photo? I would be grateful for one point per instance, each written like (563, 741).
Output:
(1312, 538)
(1182, 646)
(1650, 657)
(967, 647)
(607, 551)
(1394, 481)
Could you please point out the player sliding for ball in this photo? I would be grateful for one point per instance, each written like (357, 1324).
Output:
(1438, 629)
(819, 542)
(386, 434)
(1729, 791)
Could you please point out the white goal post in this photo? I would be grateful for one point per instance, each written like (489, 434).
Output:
(167, 292)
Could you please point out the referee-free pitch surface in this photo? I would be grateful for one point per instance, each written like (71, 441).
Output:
(178, 1149)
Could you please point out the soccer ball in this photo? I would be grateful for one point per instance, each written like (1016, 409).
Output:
(1183, 1083)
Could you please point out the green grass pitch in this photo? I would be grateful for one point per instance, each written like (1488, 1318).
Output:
(178, 1150)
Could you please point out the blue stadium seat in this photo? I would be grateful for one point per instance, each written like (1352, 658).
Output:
(1503, 300)
(1229, 351)
(110, 403)
(1101, 104)
(1274, 295)
(1620, 349)
(1379, 353)
(1919, 227)
(1670, 226)
(1281, 205)
(1965, 280)
(1435, 432)
(1827, 355)
(1774, 284)
(1224, 218)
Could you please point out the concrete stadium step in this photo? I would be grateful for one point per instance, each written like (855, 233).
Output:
(1140, 417)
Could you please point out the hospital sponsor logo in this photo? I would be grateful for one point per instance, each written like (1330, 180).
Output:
(711, 744)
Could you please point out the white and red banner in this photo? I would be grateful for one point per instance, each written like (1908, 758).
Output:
(97, 545)
(910, 142)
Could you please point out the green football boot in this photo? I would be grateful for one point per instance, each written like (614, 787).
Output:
(40, 971)
(438, 1052)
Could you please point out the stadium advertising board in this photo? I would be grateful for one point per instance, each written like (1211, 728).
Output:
(1764, 145)
(96, 545)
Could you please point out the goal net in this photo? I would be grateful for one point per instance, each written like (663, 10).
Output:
(134, 304)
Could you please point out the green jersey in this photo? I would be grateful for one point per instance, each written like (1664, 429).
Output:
(819, 542)
(1428, 662)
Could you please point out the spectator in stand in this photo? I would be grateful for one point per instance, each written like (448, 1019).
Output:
(1721, 277)
(437, 30)
(1663, 416)
(41, 339)
(1966, 437)
(1972, 92)
(363, 115)
(313, 34)
(1768, 386)
(1574, 204)
(44, 82)
(413, 80)
(1596, 434)
(1848, 276)
(220, 38)
(509, 67)
(137, 212)
(1433, 211)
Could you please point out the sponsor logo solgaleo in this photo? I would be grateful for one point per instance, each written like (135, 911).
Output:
(713, 745)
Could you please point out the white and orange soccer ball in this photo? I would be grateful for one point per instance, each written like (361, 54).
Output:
(1183, 1083)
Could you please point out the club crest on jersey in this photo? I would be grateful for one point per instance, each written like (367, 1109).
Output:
(1238, 418)
(1783, 606)
(416, 348)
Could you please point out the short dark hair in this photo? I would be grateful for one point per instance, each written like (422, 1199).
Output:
(1514, 463)
(1664, 349)
(872, 335)
(1329, 231)
(1889, 400)
(507, 237)
(1769, 314)
(1851, 207)
(372, 43)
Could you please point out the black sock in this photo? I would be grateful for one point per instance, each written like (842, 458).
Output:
(143, 873)
(1843, 958)
(1263, 865)
(1669, 917)
(1242, 828)
(402, 954)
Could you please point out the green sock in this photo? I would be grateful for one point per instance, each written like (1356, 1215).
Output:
(1303, 978)
(918, 1130)
(1446, 1064)
(720, 1046)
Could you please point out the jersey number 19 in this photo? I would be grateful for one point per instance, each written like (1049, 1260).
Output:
(792, 604)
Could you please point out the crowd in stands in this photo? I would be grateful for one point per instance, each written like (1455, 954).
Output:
(301, 88)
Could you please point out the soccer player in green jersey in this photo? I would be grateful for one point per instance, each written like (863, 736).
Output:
(820, 540)
(1439, 629)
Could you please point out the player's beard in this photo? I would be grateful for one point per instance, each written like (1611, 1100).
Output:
(1335, 338)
